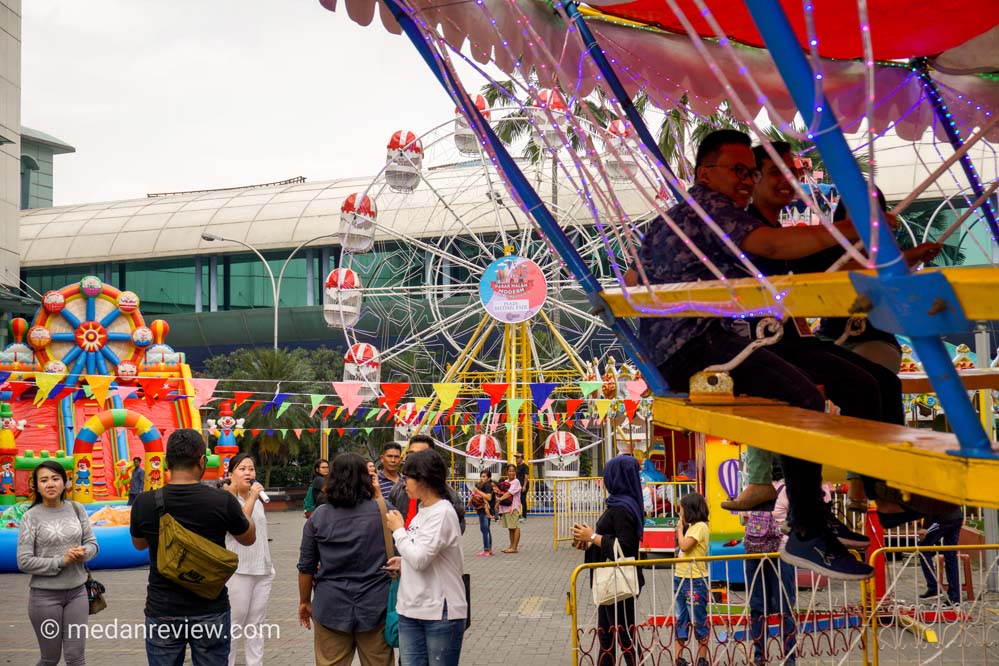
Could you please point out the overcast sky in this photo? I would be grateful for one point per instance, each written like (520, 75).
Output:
(166, 96)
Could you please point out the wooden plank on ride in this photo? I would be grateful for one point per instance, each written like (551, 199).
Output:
(974, 380)
(910, 459)
(805, 295)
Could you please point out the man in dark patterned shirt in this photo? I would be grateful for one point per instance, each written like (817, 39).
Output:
(725, 170)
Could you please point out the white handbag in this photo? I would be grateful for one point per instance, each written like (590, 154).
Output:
(613, 584)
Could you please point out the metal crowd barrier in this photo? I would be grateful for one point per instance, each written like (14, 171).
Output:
(831, 622)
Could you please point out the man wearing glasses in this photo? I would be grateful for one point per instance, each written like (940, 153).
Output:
(726, 173)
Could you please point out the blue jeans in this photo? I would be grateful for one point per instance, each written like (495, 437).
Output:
(697, 590)
(167, 639)
(487, 536)
(773, 590)
(422, 642)
(948, 534)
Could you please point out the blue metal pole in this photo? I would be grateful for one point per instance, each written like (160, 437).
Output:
(612, 80)
(954, 137)
(798, 76)
(535, 206)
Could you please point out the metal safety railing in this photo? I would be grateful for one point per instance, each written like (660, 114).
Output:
(761, 610)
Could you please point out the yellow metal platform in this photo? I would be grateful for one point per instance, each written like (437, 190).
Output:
(973, 380)
(909, 459)
(807, 295)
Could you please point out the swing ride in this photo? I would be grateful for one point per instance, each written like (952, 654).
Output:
(608, 52)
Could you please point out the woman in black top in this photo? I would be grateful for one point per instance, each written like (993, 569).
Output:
(315, 497)
(621, 522)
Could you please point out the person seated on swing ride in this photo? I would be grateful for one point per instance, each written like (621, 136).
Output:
(858, 386)
(726, 174)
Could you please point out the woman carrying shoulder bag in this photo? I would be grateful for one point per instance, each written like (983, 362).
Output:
(53, 543)
(620, 527)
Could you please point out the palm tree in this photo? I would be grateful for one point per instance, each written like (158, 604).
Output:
(806, 148)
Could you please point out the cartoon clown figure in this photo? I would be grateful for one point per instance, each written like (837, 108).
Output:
(6, 475)
(82, 479)
(122, 478)
(155, 474)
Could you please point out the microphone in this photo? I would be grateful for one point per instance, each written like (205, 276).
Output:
(262, 495)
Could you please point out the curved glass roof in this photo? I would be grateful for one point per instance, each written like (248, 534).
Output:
(447, 200)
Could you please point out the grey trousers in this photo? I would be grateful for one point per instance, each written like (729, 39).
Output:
(52, 612)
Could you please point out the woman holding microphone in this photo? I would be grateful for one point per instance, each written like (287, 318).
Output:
(250, 587)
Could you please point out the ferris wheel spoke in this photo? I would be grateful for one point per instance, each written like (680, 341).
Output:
(71, 355)
(109, 354)
(74, 375)
(91, 309)
(429, 332)
(110, 317)
(70, 318)
(576, 312)
(65, 336)
(102, 366)
(428, 247)
(118, 336)
(458, 218)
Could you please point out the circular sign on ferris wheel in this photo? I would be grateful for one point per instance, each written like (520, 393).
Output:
(513, 289)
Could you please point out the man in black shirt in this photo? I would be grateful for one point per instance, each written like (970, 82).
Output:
(175, 616)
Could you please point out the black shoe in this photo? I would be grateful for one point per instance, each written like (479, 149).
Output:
(846, 536)
(825, 555)
(928, 594)
(702, 661)
(680, 661)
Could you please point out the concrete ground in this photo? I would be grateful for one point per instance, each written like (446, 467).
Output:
(518, 610)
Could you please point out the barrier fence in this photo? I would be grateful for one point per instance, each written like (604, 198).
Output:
(769, 619)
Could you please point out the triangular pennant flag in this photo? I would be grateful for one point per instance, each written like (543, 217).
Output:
(4, 376)
(636, 388)
(586, 423)
(17, 388)
(495, 392)
(368, 431)
(153, 388)
(88, 392)
(391, 393)
(282, 409)
(315, 399)
(283, 431)
(268, 406)
(382, 412)
(571, 406)
(570, 424)
(465, 429)
(588, 387)
(241, 397)
(125, 392)
(510, 425)
(350, 394)
(255, 431)
(65, 392)
(540, 392)
(46, 381)
(253, 406)
(370, 415)
(270, 431)
(339, 431)
(483, 407)
(329, 408)
(629, 408)
(298, 432)
(514, 405)
(338, 412)
(447, 393)
(100, 384)
(204, 389)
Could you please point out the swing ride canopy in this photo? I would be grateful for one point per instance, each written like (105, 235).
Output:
(963, 35)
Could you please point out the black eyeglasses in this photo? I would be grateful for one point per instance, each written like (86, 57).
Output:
(741, 172)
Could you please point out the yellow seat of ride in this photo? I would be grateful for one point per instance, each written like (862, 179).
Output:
(910, 459)
(805, 295)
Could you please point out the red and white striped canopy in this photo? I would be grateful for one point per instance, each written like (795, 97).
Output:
(484, 446)
(367, 207)
(406, 141)
(561, 442)
(361, 353)
(343, 278)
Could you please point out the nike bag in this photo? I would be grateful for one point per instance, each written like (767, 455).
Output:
(191, 560)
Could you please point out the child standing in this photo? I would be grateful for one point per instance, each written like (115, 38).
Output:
(690, 578)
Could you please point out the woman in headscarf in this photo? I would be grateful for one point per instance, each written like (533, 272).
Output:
(622, 522)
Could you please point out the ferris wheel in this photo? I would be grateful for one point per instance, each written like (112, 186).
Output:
(441, 269)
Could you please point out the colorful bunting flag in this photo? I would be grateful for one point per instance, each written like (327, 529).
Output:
(636, 388)
(391, 394)
(571, 406)
(282, 409)
(588, 387)
(447, 393)
(495, 392)
(241, 396)
(350, 394)
(315, 399)
(540, 392)
(204, 389)
(46, 381)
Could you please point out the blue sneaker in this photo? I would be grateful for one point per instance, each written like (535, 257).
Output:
(824, 555)
(846, 536)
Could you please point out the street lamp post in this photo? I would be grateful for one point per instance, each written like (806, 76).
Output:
(275, 284)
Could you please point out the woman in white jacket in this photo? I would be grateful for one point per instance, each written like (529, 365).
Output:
(250, 587)
(431, 604)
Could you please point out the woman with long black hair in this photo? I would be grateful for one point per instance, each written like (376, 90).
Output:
(53, 542)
